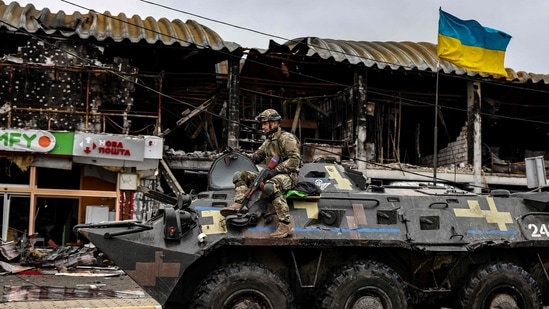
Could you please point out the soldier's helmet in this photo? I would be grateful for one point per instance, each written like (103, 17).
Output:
(268, 115)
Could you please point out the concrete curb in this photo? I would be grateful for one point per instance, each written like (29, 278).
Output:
(131, 307)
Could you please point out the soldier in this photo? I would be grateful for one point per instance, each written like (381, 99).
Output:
(282, 176)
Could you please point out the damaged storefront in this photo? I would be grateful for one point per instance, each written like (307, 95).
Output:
(55, 180)
(98, 104)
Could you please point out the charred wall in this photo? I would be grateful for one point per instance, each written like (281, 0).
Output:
(57, 88)
(104, 87)
(65, 84)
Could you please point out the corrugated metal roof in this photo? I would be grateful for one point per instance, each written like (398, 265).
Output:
(106, 26)
(420, 56)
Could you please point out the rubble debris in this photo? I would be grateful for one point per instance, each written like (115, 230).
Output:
(181, 154)
(13, 268)
(59, 258)
(9, 251)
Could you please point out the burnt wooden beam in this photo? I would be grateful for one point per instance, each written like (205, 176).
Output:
(188, 115)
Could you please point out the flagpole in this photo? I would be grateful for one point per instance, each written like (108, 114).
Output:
(435, 133)
(480, 49)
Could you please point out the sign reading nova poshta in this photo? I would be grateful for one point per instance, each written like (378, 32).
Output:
(21, 140)
(119, 147)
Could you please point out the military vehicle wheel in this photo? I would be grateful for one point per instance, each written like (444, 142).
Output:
(243, 285)
(500, 285)
(365, 284)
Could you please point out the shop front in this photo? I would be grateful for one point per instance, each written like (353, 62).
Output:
(55, 180)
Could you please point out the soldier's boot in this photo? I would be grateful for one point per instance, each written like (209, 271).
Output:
(283, 230)
(233, 209)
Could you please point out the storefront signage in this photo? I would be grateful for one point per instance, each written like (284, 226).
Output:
(153, 147)
(64, 141)
(26, 140)
(108, 146)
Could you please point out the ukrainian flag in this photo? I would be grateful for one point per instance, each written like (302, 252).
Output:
(466, 43)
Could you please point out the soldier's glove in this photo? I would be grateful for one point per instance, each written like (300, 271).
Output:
(271, 173)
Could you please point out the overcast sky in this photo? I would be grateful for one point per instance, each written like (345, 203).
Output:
(357, 20)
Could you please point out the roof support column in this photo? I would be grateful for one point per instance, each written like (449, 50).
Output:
(474, 136)
(361, 105)
(233, 81)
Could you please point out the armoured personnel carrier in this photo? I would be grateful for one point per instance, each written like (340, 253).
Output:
(355, 246)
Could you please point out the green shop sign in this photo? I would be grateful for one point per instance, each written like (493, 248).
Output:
(26, 140)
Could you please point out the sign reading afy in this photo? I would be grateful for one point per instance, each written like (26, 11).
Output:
(26, 140)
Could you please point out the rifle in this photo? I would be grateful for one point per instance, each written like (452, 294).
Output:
(258, 180)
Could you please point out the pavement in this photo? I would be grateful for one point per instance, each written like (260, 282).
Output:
(75, 290)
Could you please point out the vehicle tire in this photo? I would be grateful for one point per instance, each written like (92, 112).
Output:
(243, 285)
(365, 284)
(500, 285)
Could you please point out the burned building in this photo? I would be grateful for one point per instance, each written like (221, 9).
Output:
(85, 102)
(394, 105)
(128, 99)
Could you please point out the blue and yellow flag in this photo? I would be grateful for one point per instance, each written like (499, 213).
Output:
(466, 43)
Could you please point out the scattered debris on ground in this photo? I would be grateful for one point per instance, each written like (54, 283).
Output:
(30, 272)
(25, 257)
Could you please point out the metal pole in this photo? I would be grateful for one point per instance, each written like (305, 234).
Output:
(435, 133)
(233, 105)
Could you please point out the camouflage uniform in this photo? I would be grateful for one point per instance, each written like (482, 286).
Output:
(278, 144)
(286, 146)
